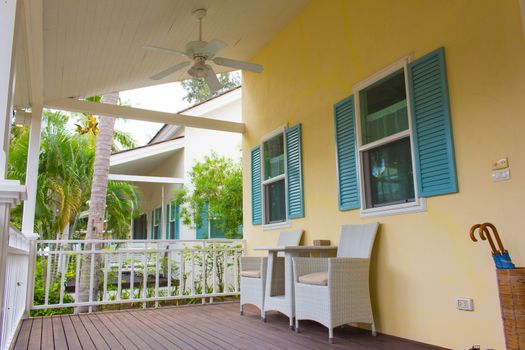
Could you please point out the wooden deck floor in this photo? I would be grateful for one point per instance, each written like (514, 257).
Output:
(216, 326)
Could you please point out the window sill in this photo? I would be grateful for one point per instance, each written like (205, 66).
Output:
(276, 226)
(416, 207)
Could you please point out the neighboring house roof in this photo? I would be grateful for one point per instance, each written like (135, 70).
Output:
(212, 102)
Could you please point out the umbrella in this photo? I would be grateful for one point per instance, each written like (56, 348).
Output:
(501, 256)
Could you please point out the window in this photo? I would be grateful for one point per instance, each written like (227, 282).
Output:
(274, 187)
(173, 228)
(155, 223)
(394, 144)
(276, 178)
(140, 227)
(385, 149)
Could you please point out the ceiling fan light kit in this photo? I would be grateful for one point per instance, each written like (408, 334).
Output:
(201, 51)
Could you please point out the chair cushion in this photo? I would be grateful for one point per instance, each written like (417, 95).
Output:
(251, 273)
(317, 278)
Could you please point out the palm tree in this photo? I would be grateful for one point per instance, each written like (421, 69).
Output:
(97, 202)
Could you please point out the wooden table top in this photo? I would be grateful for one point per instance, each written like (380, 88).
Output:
(297, 248)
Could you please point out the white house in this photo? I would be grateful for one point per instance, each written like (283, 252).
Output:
(165, 162)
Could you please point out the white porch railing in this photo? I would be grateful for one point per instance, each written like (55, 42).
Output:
(17, 265)
(131, 271)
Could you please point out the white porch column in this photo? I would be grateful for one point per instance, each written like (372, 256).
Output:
(7, 73)
(28, 217)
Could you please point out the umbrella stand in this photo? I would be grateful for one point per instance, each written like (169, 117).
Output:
(511, 287)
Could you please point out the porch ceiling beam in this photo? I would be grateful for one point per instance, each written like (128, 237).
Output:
(74, 105)
(152, 179)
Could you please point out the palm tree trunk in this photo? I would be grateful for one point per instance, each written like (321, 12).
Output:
(97, 203)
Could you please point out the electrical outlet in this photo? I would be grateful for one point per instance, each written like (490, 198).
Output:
(465, 304)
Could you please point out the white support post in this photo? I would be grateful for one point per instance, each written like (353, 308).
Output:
(163, 234)
(7, 74)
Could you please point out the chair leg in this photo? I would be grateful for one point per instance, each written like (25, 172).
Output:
(242, 310)
(296, 325)
(291, 323)
(374, 333)
(330, 335)
(263, 316)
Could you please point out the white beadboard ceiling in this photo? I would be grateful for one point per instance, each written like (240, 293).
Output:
(92, 47)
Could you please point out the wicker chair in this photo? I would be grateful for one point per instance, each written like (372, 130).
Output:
(335, 291)
(253, 272)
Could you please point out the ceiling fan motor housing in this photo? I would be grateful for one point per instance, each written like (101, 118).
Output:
(195, 49)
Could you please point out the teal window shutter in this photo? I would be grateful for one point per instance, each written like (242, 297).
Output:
(294, 175)
(168, 233)
(256, 186)
(152, 234)
(177, 222)
(346, 154)
(434, 149)
(202, 230)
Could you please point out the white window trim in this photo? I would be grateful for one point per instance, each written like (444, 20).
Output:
(419, 203)
(276, 225)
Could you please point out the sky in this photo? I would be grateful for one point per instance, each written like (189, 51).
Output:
(164, 98)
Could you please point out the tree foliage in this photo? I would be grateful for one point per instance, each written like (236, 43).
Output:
(64, 179)
(217, 185)
(198, 91)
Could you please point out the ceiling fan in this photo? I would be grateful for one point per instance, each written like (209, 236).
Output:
(201, 51)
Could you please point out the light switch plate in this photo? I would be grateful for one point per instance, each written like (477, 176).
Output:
(500, 164)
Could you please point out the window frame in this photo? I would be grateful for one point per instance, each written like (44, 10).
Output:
(419, 203)
(156, 224)
(286, 223)
(171, 220)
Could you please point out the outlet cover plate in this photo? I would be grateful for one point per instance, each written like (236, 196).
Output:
(465, 304)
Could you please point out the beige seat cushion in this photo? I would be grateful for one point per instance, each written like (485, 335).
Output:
(251, 273)
(317, 278)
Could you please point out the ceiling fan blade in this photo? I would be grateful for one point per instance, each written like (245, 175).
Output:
(228, 62)
(164, 50)
(170, 70)
(213, 47)
(212, 81)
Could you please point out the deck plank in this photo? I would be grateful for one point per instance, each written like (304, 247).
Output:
(47, 334)
(73, 342)
(22, 339)
(196, 327)
(36, 334)
(83, 335)
(59, 336)
(98, 331)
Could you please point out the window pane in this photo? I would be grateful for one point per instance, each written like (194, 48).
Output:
(275, 202)
(388, 174)
(384, 108)
(274, 157)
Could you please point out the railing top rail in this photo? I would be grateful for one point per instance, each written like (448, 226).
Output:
(148, 241)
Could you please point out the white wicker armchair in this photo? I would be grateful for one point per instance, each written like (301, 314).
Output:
(253, 273)
(335, 291)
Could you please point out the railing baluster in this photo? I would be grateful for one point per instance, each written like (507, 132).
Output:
(145, 275)
(224, 270)
(192, 272)
(203, 272)
(132, 277)
(169, 270)
(63, 264)
(157, 272)
(214, 271)
(235, 271)
(182, 285)
(105, 285)
(119, 278)
(91, 275)
(48, 275)
(78, 258)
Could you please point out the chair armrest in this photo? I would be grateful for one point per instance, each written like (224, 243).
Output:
(348, 272)
(253, 263)
(304, 266)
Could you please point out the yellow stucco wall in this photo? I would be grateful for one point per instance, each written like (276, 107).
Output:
(422, 261)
